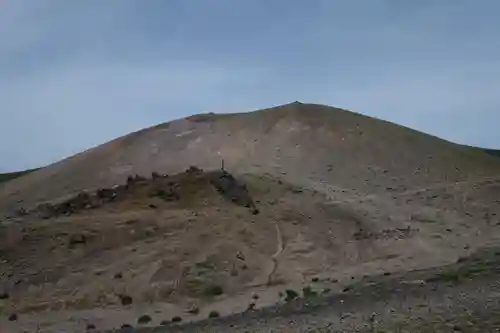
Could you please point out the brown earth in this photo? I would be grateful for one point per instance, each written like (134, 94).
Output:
(304, 143)
(329, 195)
(461, 297)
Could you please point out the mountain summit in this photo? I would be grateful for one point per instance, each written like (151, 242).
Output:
(307, 144)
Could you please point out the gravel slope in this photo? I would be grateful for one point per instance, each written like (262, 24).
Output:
(463, 297)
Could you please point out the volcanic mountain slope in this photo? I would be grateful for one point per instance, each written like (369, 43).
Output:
(188, 244)
(342, 149)
(315, 194)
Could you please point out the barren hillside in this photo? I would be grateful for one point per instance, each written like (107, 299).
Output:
(314, 197)
(342, 149)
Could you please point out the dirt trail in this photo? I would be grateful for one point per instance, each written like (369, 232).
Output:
(332, 195)
(164, 250)
(279, 250)
(422, 301)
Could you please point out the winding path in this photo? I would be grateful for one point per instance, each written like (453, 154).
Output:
(279, 250)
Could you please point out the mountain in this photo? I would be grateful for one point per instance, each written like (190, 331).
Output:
(8, 176)
(343, 149)
(310, 197)
(494, 152)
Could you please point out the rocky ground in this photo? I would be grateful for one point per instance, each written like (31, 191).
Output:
(197, 244)
(463, 297)
(316, 199)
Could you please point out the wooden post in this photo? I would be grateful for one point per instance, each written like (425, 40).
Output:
(222, 165)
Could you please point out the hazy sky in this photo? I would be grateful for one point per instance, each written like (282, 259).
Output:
(76, 73)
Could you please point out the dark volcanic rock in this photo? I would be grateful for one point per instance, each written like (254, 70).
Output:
(77, 239)
(158, 186)
(106, 193)
(168, 194)
(232, 190)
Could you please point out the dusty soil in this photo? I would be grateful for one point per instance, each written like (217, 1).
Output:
(329, 197)
(144, 255)
(305, 144)
(462, 297)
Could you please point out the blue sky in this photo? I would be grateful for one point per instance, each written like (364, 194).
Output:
(76, 73)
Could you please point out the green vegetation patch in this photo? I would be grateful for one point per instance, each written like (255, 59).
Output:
(213, 290)
(5, 177)
(494, 152)
(464, 272)
(308, 292)
(202, 268)
(213, 314)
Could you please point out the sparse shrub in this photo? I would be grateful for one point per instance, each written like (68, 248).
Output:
(213, 290)
(76, 239)
(22, 212)
(213, 314)
(445, 277)
(164, 323)
(4, 295)
(118, 275)
(255, 296)
(163, 195)
(308, 292)
(125, 299)
(195, 285)
(291, 295)
(326, 290)
(13, 317)
(476, 269)
(90, 327)
(177, 319)
(314, 279)
(144, 319)
(126, 326)
(427, 220)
